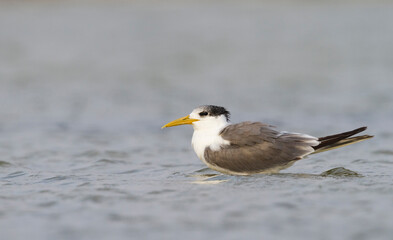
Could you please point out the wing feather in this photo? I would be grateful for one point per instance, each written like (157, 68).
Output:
(256, 147)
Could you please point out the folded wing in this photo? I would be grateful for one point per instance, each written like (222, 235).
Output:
(256, 147)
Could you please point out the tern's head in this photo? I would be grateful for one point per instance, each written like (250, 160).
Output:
(203, 117)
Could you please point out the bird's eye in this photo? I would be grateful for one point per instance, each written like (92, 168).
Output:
(203, 114)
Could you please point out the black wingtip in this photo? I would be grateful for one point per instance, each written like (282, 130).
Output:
(332, 139)
(358, 130)
(361, 129)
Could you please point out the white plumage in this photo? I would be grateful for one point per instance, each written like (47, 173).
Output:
(206, 133)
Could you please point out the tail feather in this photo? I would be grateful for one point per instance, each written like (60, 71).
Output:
(340, 140)
(344, 134)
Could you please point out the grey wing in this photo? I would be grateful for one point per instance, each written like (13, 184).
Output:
(256, 147)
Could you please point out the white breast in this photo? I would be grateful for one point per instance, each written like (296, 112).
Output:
(201, 139)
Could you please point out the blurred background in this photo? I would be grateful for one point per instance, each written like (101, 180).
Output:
(86, 85)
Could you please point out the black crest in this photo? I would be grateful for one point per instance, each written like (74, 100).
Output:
(216, 111)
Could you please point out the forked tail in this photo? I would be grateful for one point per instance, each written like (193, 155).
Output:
(340, 140)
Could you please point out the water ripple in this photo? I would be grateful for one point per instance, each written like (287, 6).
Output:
(4, 164)
(89, 153)
(14, 174)
(110, 161)
(384, 152)
(163, 191)
(129, 171)
(54, 179)
(117, 154)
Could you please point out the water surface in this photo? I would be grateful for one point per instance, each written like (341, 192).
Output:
(85, 89)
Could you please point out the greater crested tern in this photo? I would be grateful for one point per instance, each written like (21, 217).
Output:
(253, 147)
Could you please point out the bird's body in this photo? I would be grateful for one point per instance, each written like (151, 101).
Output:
(252, 147)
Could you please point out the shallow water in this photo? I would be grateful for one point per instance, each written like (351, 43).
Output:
(85, 89)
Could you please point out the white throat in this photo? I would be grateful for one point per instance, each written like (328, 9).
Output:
(206, 134)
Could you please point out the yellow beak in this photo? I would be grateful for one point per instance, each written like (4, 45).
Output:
(180, 121)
